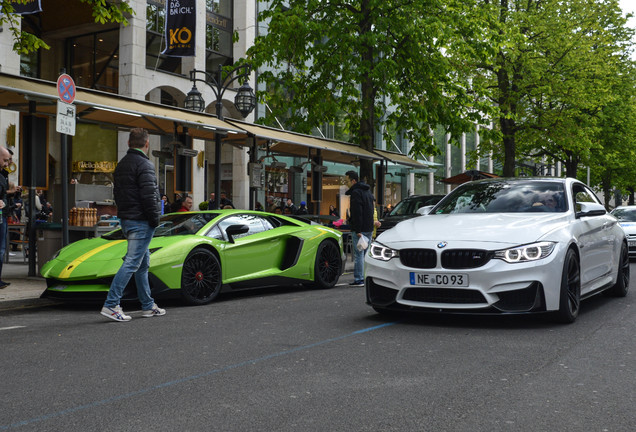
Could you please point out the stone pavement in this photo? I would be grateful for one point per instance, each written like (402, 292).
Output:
(23, 288)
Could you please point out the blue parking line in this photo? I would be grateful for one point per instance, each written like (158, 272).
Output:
(190, 378)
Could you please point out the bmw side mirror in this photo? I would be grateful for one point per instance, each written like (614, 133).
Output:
(586, 209)
(424, 210)
(234, 230)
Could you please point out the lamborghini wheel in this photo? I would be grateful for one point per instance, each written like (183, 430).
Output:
(328, 265)
(201, 277)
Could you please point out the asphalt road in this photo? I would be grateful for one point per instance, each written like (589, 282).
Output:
(305, 360)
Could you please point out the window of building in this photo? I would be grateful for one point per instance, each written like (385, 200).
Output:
(30, 64)
(94, 60)
(218, 34)
(155, 43)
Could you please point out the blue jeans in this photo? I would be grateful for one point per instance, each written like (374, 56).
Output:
(358, 256)
(3, 241)
(136, 262)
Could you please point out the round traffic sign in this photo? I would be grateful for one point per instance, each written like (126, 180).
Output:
(66, 88)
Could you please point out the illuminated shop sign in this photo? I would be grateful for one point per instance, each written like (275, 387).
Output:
(94, 166)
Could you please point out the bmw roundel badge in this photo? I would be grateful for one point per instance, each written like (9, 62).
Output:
(441, 244)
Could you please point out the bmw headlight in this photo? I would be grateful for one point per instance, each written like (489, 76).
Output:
(530, 252)
(381, 252)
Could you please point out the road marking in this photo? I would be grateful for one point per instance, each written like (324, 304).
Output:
(190, 378)
(12, 328)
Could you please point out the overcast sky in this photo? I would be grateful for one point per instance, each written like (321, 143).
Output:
(628, 6)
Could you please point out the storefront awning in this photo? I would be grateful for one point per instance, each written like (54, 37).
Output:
(468, 176)
(400, 159)
(106, 108)
(295, 144)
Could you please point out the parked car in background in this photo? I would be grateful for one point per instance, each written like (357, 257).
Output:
(501, 246)
(626, 216)
(406, 209)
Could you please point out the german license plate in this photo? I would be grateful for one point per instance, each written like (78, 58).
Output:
(436, 279)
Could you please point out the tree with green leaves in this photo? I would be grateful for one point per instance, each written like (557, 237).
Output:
(552, 76)
(401, 61)
(611, 160)
(25, 42)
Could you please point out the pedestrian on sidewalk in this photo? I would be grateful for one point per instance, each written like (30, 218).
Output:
(137, 197)
(5, 160)
(361, 222)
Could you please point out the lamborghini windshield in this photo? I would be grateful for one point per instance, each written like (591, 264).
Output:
(174, 224)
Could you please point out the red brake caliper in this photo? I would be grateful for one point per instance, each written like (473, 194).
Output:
(199, 276)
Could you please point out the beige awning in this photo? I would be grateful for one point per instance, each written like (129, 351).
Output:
(295, 144)
(400, 158)
(107, 108)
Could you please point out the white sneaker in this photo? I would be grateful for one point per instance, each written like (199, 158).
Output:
(116, 314)
(155, 311)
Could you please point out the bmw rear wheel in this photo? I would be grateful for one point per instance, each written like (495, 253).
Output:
(328, 265)
(570, 296)
(621, 286)
(201, 277)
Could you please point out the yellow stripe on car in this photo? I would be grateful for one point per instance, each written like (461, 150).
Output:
(322, 233)
(73, 265)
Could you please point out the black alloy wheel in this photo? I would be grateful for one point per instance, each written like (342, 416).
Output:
(621, 287)
(201, 277)
(328, 265)
(570, 295)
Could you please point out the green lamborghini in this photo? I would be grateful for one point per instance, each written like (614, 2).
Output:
(201, 254)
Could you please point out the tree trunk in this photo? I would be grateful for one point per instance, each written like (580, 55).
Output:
(606, 182)
(367, 121)
(510, 149)
(571, 164)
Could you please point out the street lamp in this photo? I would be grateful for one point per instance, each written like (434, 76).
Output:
(245, 101)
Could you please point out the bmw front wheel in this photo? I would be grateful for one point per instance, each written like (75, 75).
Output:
(570, 295)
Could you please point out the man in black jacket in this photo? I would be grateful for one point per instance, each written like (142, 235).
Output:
(361, 222)
(137, 197)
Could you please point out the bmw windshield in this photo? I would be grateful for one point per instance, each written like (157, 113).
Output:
(505, 197)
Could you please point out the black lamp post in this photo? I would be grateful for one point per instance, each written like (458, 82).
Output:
(245, 101)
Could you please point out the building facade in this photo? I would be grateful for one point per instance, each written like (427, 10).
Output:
(126, 60)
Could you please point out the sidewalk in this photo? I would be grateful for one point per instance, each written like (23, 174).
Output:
(24, 287)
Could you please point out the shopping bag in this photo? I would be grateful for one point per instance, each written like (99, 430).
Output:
(363, 243)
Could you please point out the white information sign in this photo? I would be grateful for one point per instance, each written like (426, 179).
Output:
(65, 119)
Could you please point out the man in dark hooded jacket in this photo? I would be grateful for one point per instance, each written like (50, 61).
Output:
(361, 222)
(137, 198)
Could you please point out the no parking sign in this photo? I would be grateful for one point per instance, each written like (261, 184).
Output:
(66, 88)
(65, 119)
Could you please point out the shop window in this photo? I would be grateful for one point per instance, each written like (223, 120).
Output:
(94, 60)
(93, 154)
(155, 42)
(218, 34)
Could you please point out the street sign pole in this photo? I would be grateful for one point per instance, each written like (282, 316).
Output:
(65, 124)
